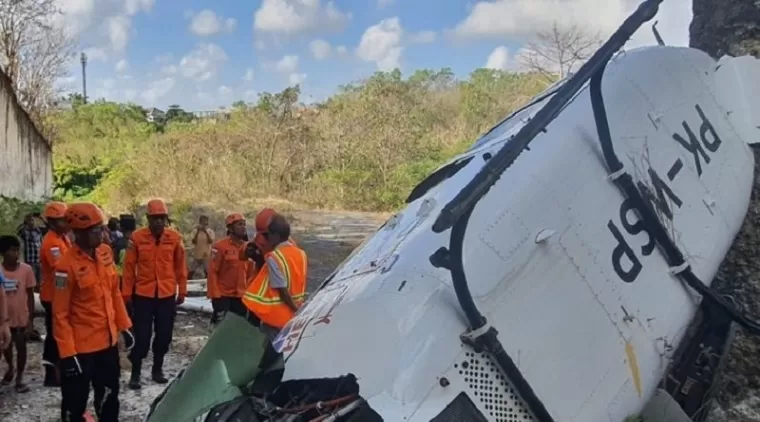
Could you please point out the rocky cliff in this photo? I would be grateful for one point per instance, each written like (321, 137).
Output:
(732, 27)
(726, 27)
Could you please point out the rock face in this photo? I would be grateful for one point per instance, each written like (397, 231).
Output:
(732, 27)
(726, 27)
(739, 277)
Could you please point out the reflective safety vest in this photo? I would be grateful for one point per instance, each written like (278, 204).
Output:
(264, 301)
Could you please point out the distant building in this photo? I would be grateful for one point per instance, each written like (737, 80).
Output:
(213, 115)
(155, 115)
(64, 105)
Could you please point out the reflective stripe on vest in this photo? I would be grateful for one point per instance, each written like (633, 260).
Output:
(266, 302)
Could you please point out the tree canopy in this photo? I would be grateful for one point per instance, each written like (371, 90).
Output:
(363, 148)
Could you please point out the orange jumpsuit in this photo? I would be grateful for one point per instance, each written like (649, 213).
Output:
(88, 316)
(155, 271)
(53, 247)
(227, 276)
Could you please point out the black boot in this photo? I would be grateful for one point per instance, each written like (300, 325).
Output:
(134, 380)
(158, 372)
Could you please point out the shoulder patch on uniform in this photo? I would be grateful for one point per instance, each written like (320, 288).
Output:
(214, 251)
(61, 279)
(56, 251)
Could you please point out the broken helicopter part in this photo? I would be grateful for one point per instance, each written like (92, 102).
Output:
(573, 284)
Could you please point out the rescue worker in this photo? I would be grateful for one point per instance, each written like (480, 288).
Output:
(88, 317)
(227, 272)
(154, 272)
(256, 249)
(55, 243)
(279, 287)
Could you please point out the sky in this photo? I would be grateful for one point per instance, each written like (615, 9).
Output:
(203, 55)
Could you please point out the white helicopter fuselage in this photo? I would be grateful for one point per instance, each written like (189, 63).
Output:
(587, 308)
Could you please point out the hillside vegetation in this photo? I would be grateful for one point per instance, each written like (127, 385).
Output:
(364, 148)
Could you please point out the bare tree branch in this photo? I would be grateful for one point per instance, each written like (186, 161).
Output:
(559, 51)
(34, 52)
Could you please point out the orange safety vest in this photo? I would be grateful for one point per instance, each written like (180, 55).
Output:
(265, 302)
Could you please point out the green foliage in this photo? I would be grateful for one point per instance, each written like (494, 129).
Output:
(13, 211)
(72, 180)
(364, 148)
(175, 113)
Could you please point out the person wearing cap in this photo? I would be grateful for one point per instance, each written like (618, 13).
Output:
(256, 249)
(88, 318)
(155, 281)
(227, 272)
(279, 287)
(55, 243)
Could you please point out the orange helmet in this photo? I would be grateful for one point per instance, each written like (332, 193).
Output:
(232, 218)
(83, 215)
(263, 218)
(54, 209)
(157, 206)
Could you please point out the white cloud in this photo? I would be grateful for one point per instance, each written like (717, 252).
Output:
(422, 37)
(169, 69)
(320, 49)
(118, 32)
(287, 64)
(384, 3)
(521, 18)
(225, 91)
(341, 50)
(299, 17)
(157, 90)
(104, 88)
(102, 23)
(296, 78)
(203, 62)
(130, 94)
(122, 65)
(382, 44)
(249, 74)
(206, 23)
(498, 59)
(96, 54)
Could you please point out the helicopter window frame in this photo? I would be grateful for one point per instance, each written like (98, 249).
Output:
(435, 178)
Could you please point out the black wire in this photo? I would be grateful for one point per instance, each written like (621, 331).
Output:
(648, 216)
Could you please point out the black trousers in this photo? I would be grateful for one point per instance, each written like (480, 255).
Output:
(227, 304)
(50, 349)
(152, 316)
(101, 370)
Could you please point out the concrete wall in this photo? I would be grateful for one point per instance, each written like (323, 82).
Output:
(26, 158)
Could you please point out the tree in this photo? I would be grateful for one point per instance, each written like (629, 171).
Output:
(175, 113)
(34, 51)
(556, 52)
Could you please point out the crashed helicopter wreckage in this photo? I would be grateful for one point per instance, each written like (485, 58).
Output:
(575, 288)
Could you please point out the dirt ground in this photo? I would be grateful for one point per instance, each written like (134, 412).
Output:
(327, 237)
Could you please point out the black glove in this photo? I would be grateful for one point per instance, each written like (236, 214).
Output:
(70, 367)
(129, 340)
